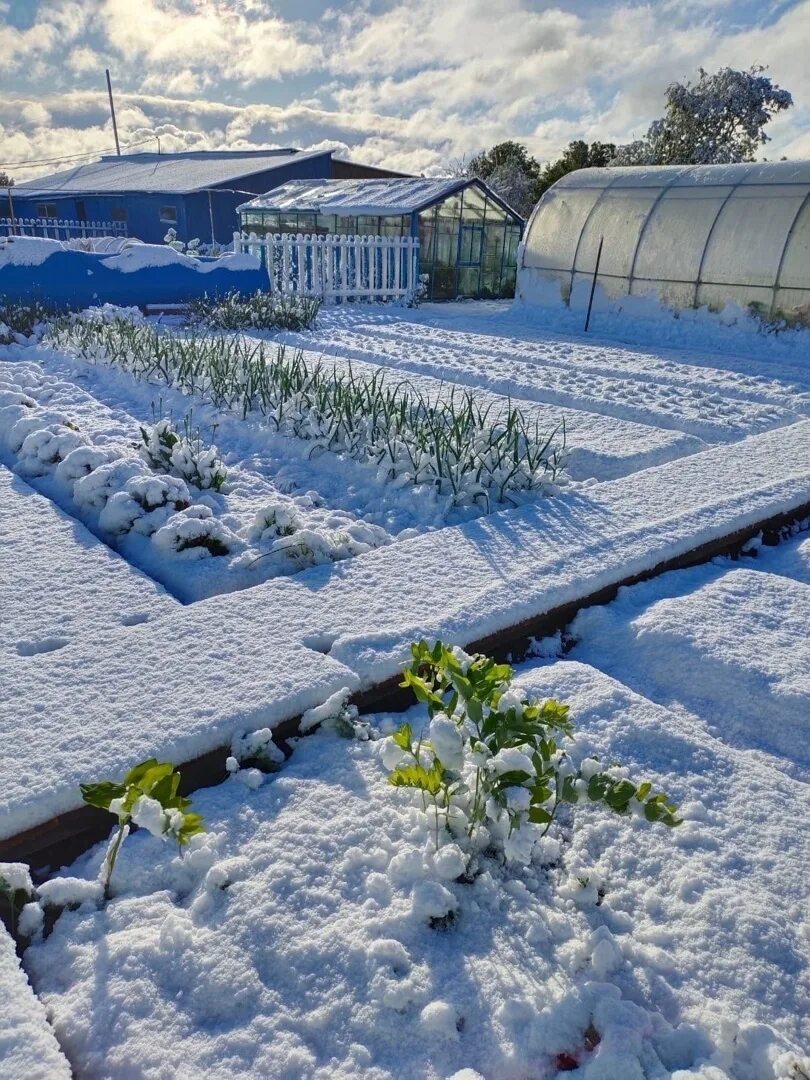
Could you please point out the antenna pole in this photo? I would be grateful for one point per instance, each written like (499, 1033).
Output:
(112, 113)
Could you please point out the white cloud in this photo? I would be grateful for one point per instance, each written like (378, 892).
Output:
(413, 87)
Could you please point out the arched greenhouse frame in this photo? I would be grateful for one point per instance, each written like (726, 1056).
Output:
(691, 236)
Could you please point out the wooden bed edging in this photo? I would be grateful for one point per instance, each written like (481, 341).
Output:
(58, 842)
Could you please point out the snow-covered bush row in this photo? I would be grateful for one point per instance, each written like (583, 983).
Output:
(463, 451)
(114, 493)
(495, 767)
(106, 485)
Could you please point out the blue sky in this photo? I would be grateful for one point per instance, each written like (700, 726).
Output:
(412, 84)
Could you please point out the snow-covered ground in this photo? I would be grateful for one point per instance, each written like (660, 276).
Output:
(28, 1048)
(295, 939)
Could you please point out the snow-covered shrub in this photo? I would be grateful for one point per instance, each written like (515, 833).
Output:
(273, 521)
(82, 461)
(42, 450)
(147, 797)
(166, 451)
(194, 533)
(92, 491)
(260, 311)
(145, 504)
(494, 764)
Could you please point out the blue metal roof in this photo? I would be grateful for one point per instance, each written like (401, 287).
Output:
(177, 174)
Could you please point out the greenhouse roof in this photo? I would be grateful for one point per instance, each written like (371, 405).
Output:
(657, 176)
(346, 198)
(179, 173)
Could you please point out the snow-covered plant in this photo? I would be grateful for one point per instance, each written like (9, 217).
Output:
(147, 797)
(338, 714)
(191, 248)
(186, 456)
(42, 450)
(495, 762)
(256, 747)
(281, 519)
(21, 318)
(16, 889)
(144, 505)
(194, 533)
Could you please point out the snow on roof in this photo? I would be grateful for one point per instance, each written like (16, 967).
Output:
(165, 173)
(348, 197)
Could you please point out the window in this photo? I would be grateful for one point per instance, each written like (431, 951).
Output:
(81, 211)
(169, 214)
(119, 213)
(46, 210)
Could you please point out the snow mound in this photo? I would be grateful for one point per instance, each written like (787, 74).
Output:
(733, 648)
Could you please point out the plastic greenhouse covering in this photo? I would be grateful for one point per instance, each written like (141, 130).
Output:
(692, 236)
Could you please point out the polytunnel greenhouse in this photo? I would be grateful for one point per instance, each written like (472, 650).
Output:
(690, 236)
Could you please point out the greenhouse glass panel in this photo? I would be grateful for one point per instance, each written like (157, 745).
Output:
(755, 219)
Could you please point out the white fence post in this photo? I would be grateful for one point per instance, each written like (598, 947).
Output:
(336, 268)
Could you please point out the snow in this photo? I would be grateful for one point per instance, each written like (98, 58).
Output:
(736, 639)
(295, 939)
(57, 582)
(140, 256)
(352, 197)
(314, 930)
(261, 652)
(28, 1048)
(178, 173)
(487, 346)
(27, 250)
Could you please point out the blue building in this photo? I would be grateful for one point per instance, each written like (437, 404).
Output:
(196, 192)
(468, 236)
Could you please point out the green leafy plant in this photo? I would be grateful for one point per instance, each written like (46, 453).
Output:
(147, 797)
(494, 759)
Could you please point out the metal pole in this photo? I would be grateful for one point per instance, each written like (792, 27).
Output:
(211, 219)
(112, 113)
(11, 212)
(593, 283)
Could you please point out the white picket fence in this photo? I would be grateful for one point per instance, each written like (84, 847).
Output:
(59, 228)
(337, 268)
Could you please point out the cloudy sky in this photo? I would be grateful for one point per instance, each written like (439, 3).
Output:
(411, 84)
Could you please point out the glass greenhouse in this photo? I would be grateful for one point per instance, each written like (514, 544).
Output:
(692, 236)
(468, 237)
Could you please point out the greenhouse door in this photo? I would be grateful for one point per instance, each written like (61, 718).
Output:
(470, 246)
